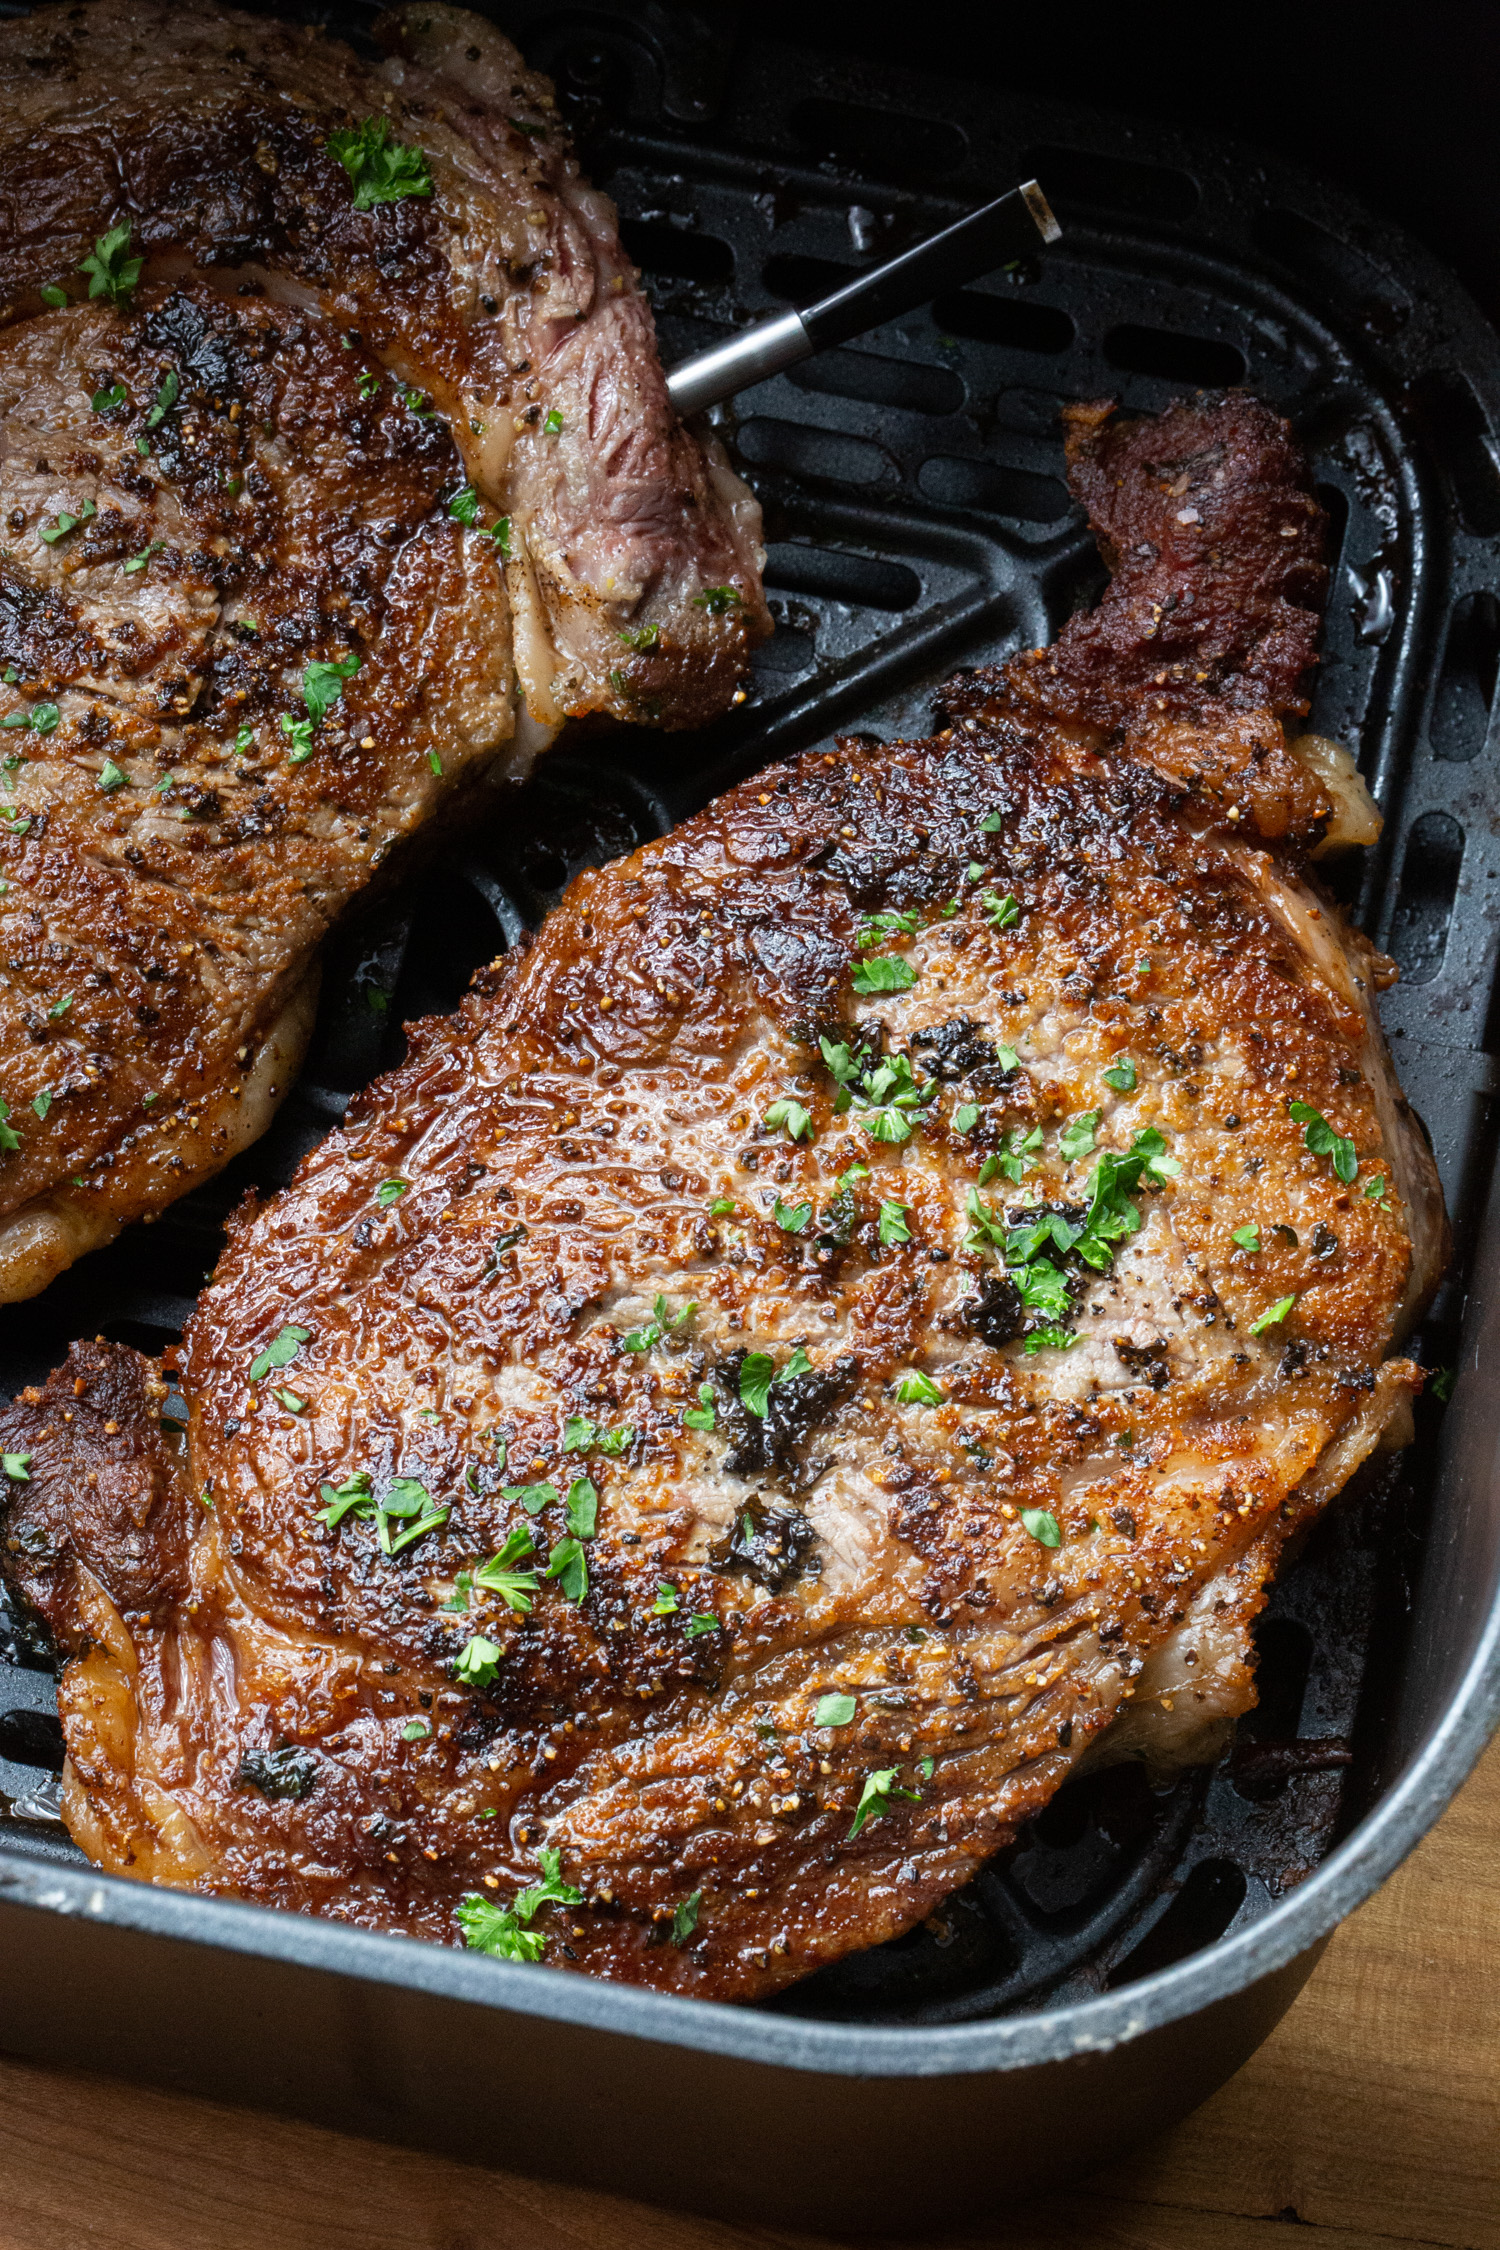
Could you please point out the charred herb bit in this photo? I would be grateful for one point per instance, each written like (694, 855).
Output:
(716, 599)
(288, 1772)
(793, 1117)
(834, 1710)
(504, 1931)
(110, 272)
(685, 1920)
(1121, 1076)
(569, 1566)
(504, 1242)
(884, 972)
(916, 1389)
(1322, 1140)
(67, 522)
(1440, 1388)
(640, 637)
(381, 170)
(877, 1798)
(1042, 1524)
(1246, 1238)
(1273, 1316)
(477, 1662)
(323, 684)
(280, 1352)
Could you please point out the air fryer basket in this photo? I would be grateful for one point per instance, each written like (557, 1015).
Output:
(1137, 1943)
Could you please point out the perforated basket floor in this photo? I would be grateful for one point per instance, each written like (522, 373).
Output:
(917, 520)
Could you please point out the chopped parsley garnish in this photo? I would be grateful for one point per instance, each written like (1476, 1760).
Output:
(499, 1575)
(291, 1402)
(42, 718)
(888, 1085)
(578, 1434)
(1441, 1388)
(477, 1661)
(53, 297)
(874, 929)
(582, 1508)
(1321, 1138)
(41, 1103)
(834, 1710)
(369, 384)
(965, 1117)
(17, 1467)
(67, 522)
(916, 1389)
(701, 1416)
(884, 972)
(280, 1352)
(417, 403)
(500, 533)
(1051, 1339)
(793, 1117)
(792, 1218)
(416, 1730)
(991, 824)
(532, 1497)
(106, 400)
(1076, 1139)
(1273, 1316)
(685, 1920)
(847, 1180)
(1375, 1191)
(704, 1622)
(758, 1373)
(1121, 1076)
(134, 563)
(716, 599)
(569, 1566)
(1015, 1153)
(505, 1931)
(110, 272)
(110, 776)
(893, 1218)
(721, 1207)
(407, 1501)
(640, 637)
(380, 169)
(552, 423)
(390, 1191)
(464, 506)
(323, 684)
(999, 912)
(1246, 1238)
(1042, 1525)
(667, 1602)
(663, 1320)
(877, 1796)
(167, 391)
(300, 731)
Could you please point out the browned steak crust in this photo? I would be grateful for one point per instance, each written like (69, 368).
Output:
(687, 1203)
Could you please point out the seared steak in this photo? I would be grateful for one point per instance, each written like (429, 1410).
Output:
(297, 508)
(855, 1307)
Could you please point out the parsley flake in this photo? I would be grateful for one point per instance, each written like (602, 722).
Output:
(716, 599)
(685, 1920)
(793, 1117)
(477, 1662)
(110, 776)
(381, 170)
(1121, 1076)
(552, 423)
(834, 1710)
(1043, 1526)
(110, 272)
(792, 1218)
(1273, 1316)
(916, 1389)
(1322, 1140)
(667, 1602)
(703, 1415)
(323, 684)
(105, 400)
(390, 1191)
(704, 1622)
(893, 1218)
(1076, 1139)
(876, 1799)
(569, 1566)
(280, 1352)
(999, 912)
(504, 1931)
(17, 1467)
(885, 972)
(1246, 1238)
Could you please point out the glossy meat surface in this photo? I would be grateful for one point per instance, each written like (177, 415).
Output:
(750, 1402)
(284, 447)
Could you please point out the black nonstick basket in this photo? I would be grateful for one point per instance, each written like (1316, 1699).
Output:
(1137, 1943)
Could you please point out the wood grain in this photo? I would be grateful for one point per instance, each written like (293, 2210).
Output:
(1372, 2116)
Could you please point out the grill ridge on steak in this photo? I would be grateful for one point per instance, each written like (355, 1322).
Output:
(288, 447)
(470, 1555)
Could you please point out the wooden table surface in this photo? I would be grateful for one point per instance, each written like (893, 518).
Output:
(1371, 2118)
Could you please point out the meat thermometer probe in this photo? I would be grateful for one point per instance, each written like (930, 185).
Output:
(997, 234)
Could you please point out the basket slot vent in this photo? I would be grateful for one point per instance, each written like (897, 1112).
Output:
(805, 450)
(1424, 901)
(1174, 357)
(32, 1738)
(1199, 1915)
(863, 581)
(915, 384)
(684, 256)
(1014, 322)
(887, 144)
(1338, 269)
(1454, 425)
(995, 488)
(1466, 685)
(1076, 176)
(1283, 1666)
(789, 650)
